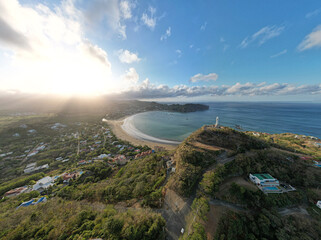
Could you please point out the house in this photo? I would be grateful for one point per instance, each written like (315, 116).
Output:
(43, 184)
(73, 175)
(317, 144)
(120, 159)
(313, 138)
(32, 153)
(143, 154)
(30, 168)
(5, 154)
(82, 162)
(305, 158)
(16, 191)
(57, 126)
(264, 180)
(319, 204)
(317, 164)
(41, 147)
(101, 156)
(67, 176)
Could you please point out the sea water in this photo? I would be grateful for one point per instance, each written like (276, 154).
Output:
(298, 118)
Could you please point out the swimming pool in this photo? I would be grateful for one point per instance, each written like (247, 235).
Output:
(270, 189)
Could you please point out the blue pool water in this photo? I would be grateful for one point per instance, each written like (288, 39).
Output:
(271, 188)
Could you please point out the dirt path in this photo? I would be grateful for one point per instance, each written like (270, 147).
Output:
(289, 152)
(294, 210)
(231, 206)
(174, 211)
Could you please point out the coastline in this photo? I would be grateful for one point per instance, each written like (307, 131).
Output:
(124, 130)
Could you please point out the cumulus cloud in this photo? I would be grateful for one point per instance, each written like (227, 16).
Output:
(148, 90)
(312, 40)
(126, 56)
(279, 53)
(206, 78)
(264, 34)
(149, 19)
(166, 35)
(96, 52)
(131, 76)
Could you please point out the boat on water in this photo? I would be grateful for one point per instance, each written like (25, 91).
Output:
(238, 127)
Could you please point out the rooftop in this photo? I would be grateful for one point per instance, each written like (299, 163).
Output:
(263, 176)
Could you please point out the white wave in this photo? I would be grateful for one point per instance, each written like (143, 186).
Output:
(130, 129)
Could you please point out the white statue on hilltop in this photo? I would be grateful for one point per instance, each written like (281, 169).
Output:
(216, 124)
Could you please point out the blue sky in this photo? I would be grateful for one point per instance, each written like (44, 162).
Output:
(202, 50)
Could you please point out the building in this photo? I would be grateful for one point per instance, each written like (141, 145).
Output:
(317, 164)
(16, 191)
(120, 159)
(317, 144)
(319, 204)
(102, 156)
(264, 180)
(32, 167)
(43, 184)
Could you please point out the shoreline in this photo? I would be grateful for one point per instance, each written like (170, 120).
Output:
(124, 130)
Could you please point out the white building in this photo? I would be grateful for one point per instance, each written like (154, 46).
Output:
(43, 184)
(264, 180)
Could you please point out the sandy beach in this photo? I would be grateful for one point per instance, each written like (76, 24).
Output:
(124, 130)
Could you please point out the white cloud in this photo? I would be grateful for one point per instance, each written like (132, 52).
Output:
(313, 13)
(148, 90)
(203, 27)
(179, 53)
(48, 51)
(167, 34)
(149, 20)
(264, 34)
(111, 12)
(279, 54)
(126, 56)
(313, 40)
(131, 76)
(125, 8)
(206, 78)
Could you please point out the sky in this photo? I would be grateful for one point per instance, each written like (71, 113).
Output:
(169, 50)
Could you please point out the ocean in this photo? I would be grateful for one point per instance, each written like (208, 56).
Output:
(276, 117)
